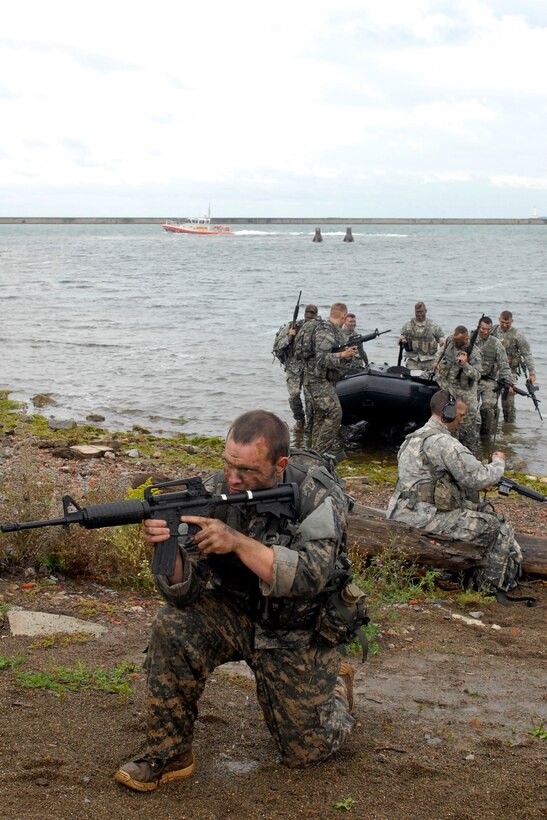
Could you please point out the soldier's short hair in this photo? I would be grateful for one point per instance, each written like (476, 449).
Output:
(487, 320)
(506, 314)
(460, 329)
(351, 316)
(255, 424)
(311, 309)
(420, 305)
(338, 309)
(439, 400)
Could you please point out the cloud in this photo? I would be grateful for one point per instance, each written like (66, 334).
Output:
(432, 90)
(532, 183)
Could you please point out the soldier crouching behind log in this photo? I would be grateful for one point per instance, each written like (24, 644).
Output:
(437, 491)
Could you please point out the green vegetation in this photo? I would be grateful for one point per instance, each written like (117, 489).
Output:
(375, 472)
(76, 678)
(392, 577)
(10, 663)
(539, 732)
(346, 804)
(472, 597)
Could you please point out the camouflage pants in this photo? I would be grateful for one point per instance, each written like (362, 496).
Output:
(502, 558)
(305, 711)
(295, 401)
(508, 403)
(327, 416)
(488, 398)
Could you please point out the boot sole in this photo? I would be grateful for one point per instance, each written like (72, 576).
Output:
(139, 786)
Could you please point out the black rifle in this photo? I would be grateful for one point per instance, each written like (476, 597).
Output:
(296, 309)
(469, 347)
(505, 485)
(359, 340)
(532, 389)
(281, 501)
(505, 385)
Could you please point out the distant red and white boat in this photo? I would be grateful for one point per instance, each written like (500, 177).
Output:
(197, 225)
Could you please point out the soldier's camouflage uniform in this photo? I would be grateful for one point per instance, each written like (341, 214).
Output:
(437, 491)
(518, 353)
(222, 612)
(321, 372)
(494, 364)
(293, 370)
(424, 338)
(357, 363)
(462, 383)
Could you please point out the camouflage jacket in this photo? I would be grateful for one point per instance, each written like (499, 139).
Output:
(494, 358)
(448, 371)
(424, 338)
(305, 556)
(516, 347)
(431, 456)
(325, 365)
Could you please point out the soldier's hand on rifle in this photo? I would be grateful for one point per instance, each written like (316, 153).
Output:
(532, 378)
(462, 358)
(213, 536)
(292, 332)
(349, 353)
(155, 531)
(402, 340)
(499, 455)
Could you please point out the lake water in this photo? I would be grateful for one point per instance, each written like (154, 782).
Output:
(174, 332)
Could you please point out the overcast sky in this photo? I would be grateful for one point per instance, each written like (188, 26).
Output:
(332, 108)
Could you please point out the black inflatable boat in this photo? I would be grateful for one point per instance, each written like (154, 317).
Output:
(385, 396)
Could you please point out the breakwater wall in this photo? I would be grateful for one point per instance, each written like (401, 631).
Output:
(255, 220)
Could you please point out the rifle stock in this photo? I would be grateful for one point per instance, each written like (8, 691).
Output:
(282, 500)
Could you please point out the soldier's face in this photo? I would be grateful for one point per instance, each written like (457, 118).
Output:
(249, 466)
(484, 330)
(505, 324)
(350, 323)
(461, 340)
(461, 409)
(419, 313)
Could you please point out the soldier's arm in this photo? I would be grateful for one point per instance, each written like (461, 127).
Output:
(526, 354)
(502, 363)
(473, 366)
(467, 471)
(438, 334)
(304, 568)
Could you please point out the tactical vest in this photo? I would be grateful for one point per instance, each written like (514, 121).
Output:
(270, 528)
(421, 339)
(440, 490)
(509, 340)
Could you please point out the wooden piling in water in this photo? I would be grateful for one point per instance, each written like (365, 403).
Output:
(317, 237)
(349, 236)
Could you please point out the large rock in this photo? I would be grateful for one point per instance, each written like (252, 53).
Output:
(38, 624)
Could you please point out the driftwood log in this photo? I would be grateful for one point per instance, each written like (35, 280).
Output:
(370, 533)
